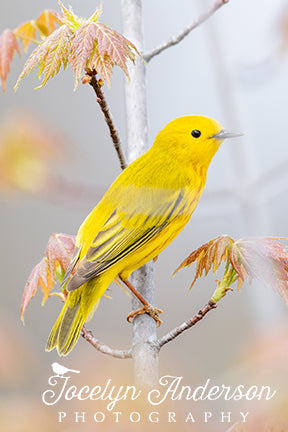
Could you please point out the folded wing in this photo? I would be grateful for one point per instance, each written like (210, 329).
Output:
(127, 229)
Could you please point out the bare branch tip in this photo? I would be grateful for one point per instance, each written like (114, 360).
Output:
(187, 30)
(104, 349)
(187, 324)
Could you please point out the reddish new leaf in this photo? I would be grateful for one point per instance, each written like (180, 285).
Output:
(98, 47)
(8, 45)
(208, 255)
(40, 276)
(264, 258)
(85, 44)
(102, 65)
(58, 252)
(118, 48)
(49, 56)
(82, 46)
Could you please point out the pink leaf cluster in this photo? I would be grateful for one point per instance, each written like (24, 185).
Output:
(59, 251)
(263, 258)
(87, 45)
(8, 46)
(50, 55)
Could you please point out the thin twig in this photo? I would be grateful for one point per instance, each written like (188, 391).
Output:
(176, 39)
(105, 349)
(96, 84)
(187, 324)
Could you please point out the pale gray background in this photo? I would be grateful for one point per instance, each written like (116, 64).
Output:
(227, 69)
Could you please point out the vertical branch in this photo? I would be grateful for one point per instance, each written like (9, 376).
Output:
(135, 89)
(144, 353)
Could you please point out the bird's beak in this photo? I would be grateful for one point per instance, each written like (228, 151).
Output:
(224, 134)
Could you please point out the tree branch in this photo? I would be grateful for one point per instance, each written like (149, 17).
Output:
(176, 39)
(144, 329)
(97, 84)
(187, 324)
(105, 349)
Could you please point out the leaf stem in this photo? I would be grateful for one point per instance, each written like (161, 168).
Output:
(176, 39)
(108, 118)
(186, 324)
(105, 349)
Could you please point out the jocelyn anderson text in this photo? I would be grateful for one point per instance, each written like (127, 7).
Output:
(170, 388)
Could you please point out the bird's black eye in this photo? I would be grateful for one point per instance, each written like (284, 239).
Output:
(196, 133)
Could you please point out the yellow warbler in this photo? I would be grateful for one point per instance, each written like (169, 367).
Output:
(141, 213)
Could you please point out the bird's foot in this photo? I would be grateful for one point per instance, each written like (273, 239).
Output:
(150, 310)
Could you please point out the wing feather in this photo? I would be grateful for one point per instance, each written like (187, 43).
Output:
(73, 262)
(121, 235)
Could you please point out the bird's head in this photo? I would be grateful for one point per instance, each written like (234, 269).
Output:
(193, 139)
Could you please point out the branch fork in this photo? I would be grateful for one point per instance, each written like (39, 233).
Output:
(155, 345)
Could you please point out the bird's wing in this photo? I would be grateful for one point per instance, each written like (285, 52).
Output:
(72, 265)
(126, 230)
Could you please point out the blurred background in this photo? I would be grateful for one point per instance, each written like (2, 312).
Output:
(56, 161)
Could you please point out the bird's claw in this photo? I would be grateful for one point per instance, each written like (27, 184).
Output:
(150, 310)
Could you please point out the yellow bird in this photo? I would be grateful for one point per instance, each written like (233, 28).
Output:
(140, 214)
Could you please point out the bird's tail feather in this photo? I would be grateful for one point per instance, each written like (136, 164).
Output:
(79, 307)
(66, 330)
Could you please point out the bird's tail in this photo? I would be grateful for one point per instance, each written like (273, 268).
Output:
(66, 330)
(79, 307)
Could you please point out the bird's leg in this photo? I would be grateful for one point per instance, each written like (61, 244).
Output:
(147, 308)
